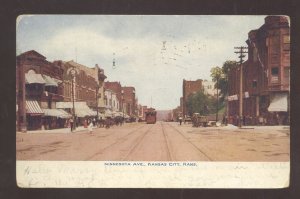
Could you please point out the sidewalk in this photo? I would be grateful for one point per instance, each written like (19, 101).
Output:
(61, 130)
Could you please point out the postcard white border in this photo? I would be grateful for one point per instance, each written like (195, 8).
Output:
(119, 174)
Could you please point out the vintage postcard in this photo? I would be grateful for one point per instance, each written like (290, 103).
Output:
(153, 101)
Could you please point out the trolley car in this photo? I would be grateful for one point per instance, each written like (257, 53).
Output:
(150, 116)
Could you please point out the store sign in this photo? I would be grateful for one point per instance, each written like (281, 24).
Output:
(232, 97)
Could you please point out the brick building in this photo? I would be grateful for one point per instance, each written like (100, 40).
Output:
(39, 87)
(189, 88)
(87, 86)
(266, 82)
(129, 100)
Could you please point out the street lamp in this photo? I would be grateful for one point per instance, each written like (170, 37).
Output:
(97, 90)
(122, 93)
(72, 72)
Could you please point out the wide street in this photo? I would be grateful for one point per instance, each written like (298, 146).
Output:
(158, 142)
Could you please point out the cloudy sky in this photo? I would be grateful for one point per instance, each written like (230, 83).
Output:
(152, 53)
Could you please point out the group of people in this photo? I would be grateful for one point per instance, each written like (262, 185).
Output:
(94, 122)
(262, 119)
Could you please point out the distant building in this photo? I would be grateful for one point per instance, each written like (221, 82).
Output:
(144, 109)
(129, 100)
(189, 88)
(266, 82)
(209, 88)
(176, 113)
(117, 88)
(111, 101)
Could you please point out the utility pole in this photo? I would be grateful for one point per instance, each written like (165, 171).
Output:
(241, 51)
(23, 89)
(97, 108)
(217, 99)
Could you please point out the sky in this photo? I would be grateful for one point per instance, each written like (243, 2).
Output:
(153, 53)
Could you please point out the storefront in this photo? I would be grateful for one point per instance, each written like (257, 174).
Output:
(82, 111)
(55, 118)
(34, 115)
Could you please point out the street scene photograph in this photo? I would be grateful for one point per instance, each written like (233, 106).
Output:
(153, 88)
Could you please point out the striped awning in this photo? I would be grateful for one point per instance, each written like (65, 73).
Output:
(81, 108)
(33, 108)
(56, 113)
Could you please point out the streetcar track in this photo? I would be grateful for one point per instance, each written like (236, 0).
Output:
(137, 143)
(119, 140)
(201, 151)
(167, 144)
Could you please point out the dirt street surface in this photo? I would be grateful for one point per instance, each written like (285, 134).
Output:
(158, 142)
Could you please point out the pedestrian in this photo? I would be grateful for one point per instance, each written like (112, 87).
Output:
(180, 120)
(90, 127)
(71, 124)
(261, 120)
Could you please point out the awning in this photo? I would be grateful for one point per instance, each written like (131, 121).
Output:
(50, 81)
(278, 102)
(81, 108)
(32, 78)
(56, 113)
(108, 113)
(33, 108)
(116, 113)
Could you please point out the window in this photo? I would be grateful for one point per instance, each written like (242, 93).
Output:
(275, 71)
(274, 75)
(286, 42)
(275, 47)
(254, 84)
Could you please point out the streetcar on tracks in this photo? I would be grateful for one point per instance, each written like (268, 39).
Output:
(150, 116)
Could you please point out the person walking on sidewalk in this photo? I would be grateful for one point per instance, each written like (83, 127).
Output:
(180, 120)
(90, 127)
(71, 124)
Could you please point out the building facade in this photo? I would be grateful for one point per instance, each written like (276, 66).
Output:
(209, 88)
(117, 89)
(266, 76)
(129, 100)
(111, 101)
(83, 84)
(189, 88)
(39, 88)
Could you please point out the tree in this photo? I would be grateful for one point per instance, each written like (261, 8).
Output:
(200, 103)
(220, 76)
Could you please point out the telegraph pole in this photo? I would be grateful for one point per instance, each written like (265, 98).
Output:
(241, 51)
